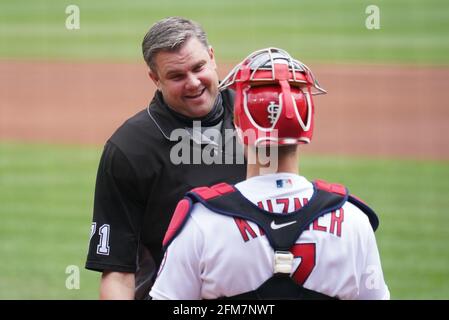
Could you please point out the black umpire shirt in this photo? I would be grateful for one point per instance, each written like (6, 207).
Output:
(138, 186)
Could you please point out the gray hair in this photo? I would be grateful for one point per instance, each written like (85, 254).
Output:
(170, 34)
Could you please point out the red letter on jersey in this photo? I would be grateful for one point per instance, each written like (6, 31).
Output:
(285, 202)
(245, 229)
(317, 227)
(336, 220)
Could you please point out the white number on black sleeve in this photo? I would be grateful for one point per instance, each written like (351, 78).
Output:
(103, 246)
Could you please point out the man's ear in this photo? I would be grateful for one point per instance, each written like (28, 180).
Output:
(154, 77)
(212, 56)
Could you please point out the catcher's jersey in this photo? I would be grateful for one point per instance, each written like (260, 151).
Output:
(216, 255)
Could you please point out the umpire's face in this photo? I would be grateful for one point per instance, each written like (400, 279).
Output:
(187, 78)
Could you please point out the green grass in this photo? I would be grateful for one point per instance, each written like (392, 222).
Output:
(411, 31)
(46, 194)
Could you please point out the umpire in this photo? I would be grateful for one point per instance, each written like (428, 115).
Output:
(145, 168)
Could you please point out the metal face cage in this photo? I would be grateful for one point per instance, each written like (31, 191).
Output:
(261, 65)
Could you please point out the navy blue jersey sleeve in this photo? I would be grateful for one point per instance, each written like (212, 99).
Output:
(118, 210)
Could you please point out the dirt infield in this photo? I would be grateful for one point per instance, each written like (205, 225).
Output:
(369, 110)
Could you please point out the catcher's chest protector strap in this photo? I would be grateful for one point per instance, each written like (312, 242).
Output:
(282, 230)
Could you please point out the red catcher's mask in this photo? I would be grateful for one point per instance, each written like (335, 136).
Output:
(273, 102)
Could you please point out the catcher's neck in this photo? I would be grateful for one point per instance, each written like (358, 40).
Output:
(262, 161)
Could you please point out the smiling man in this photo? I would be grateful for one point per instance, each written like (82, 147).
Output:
(187, 78)
(138, 184)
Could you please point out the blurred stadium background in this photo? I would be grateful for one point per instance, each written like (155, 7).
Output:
(47, 173)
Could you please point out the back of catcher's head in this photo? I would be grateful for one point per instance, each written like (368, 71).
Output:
(273, 103)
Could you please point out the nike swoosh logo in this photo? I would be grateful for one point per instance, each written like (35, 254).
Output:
(275, 226)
